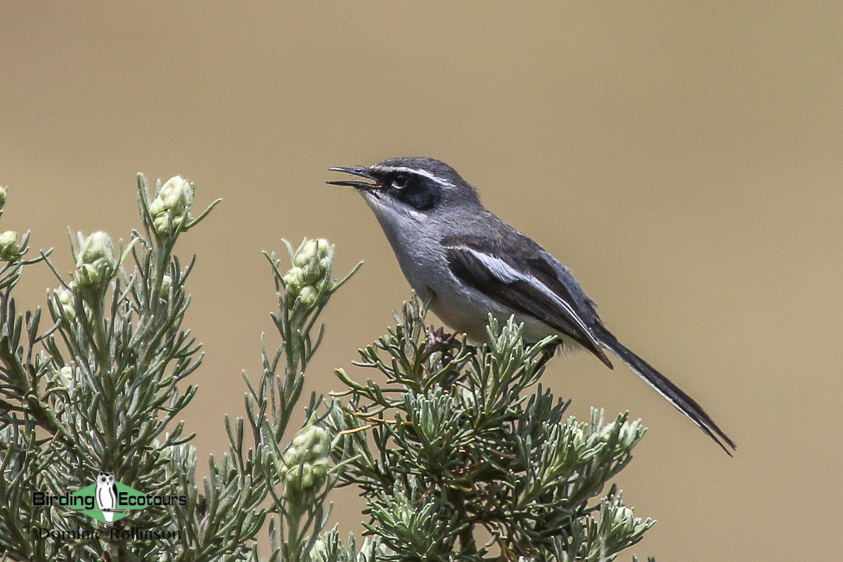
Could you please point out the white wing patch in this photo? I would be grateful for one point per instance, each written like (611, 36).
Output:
(497, 266)
(507, 274)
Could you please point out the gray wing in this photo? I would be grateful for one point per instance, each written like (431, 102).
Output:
(522, 278)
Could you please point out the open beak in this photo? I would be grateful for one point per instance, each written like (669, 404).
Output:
(361, 172)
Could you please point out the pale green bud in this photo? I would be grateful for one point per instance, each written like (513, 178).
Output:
(62, 377)
(2, 197)
(311, 273)
(305, 475)
(624, 518)
(163, 224)
(166, 283)
(314, 441)
(293, 479)
(9, 248)
(291, 456)
(325, 253)
(177, 195)
(294, 279)
(306, 253)
(303, 437)
(321, 447)
(171, 205)
(65, 298)
(96, 247)
(324, 248)
(156, 208)
(95, 263)
(320, 468)
(306, 461)
(316, 258)
(308, 296)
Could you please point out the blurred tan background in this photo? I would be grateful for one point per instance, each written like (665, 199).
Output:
(684, 159)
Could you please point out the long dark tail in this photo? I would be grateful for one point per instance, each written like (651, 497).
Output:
(663, 386)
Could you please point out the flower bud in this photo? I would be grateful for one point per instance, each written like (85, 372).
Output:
(97, 246)
(171, 206)
(623, 520)
(305, 475)
(10, 250)
(306, 460)
(314, 441)
(324, 248)
(67, 311)
(166, 283)
(320, 468)
(291, 456)
(95, 263)
(311, 273)
(308, 296)
(156, 208)
(65, 376)
(2, 197)
(316, 258)
(177, 195)
(162, 224)
(294, 278)
(306, 252)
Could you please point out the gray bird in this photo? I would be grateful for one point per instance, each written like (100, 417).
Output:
(468, 263)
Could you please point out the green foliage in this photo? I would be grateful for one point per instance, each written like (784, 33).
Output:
(459, 457)
(103, 386)
(296, 477)
(99, 389)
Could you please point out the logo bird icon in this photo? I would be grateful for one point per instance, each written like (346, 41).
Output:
(106, 495)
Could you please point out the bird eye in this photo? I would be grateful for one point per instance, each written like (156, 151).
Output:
(400, 181)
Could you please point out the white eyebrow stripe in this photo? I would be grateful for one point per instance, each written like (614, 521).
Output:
(506, 273)
(416, 171)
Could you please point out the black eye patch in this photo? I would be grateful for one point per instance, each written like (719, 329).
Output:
(419, 193)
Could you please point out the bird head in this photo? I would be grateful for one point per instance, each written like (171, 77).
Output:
(411, 186)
